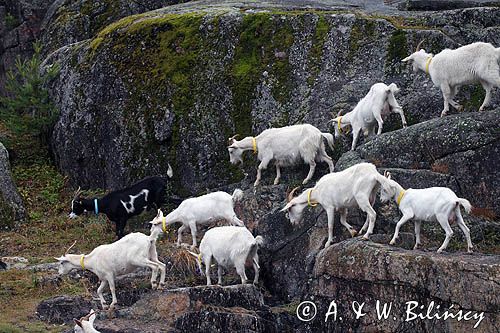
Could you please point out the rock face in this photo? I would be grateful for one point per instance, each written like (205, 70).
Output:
(20, 23)
(366, 272)
(70, 21)
(12, 209)
(199, 309)
(173, 84)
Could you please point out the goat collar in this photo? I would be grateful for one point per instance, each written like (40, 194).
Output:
(254, 145)
(96, 208)
(427, 65)
(340, 127)
(400, 196)
(312, 204)
(164, 224)
(81, 261)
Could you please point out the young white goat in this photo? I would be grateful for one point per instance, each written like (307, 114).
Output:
(86, 324)
(450, 69)
(356, 186)
(121, 257)
(202, 210)
(369, 112)
(229, 246)
(428, 204)
(286, 146)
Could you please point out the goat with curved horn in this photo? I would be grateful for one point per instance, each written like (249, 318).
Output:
(69, 248)
(419, 44)
(232, 139)
(292, 192)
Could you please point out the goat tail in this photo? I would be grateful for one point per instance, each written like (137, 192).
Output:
(170, 172)
(464, 203)
(253, 250)
(329, 139)
(237, 195)
(259, 240)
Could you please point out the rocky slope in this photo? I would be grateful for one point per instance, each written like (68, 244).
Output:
(12, 209)
(173, 84)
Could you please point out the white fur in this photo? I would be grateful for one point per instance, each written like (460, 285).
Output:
(286, 146)
(430, 204)
(352, 187)
(121, 257)
(85, 325)
(202, 210)
(469, 64)
(230, 246)
(370, 111)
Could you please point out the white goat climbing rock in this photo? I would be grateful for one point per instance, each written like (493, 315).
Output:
(109, 261)
(286, 146)
(201, 210)
(369, 112)
(229, 246)
(430, 204)
(450, 69)
(356, 186)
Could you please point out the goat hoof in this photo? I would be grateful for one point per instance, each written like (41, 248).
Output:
(154, 286)
(392, 242)
(327, 244)
(161, 286)
(365, 238)
(276, 182)
(105, 306)
(353, 232)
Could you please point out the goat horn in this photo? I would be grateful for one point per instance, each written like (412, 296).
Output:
(419, 44)
(77, 193)
(231, 139)
(67, 251)
(292, 192)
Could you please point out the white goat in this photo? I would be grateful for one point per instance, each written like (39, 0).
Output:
(356, 186)
(286, 146)
(229, 246)
(450, 69)
(86, 324)
(202, 210)
(429, 204)
(369, 112)
(121, 257)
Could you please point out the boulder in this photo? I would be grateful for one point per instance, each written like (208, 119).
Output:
(62, 309)
(366, 272)
(70, 21)
(174, 84)
(12, 209)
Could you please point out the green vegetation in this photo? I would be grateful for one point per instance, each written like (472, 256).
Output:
(316, 53)
(26, 108)
(397, 50)
(10, 21)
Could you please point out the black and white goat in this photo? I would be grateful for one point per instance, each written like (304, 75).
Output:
(120, 205)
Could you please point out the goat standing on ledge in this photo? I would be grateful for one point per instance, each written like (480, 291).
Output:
(229, 246)
(369, 112)
(450, 69)
(109, 261)
(356, 186)
(286, 145)
(120, 205)
(429, 204)
(200, 210)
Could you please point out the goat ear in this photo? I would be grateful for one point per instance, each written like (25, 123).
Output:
(79, 323)
(406, 59)
(62, 258)
(92, 317)
(284, 209)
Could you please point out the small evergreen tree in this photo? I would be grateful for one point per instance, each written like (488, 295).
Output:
(26, 108)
